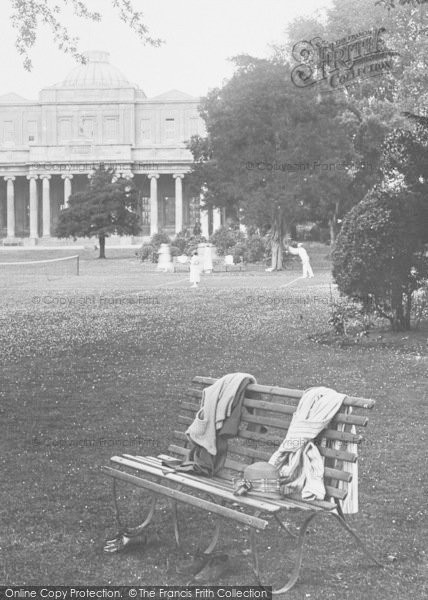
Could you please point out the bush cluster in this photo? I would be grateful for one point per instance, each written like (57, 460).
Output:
(243, 249)
(183, 243)
(378, 254)
(253, 248)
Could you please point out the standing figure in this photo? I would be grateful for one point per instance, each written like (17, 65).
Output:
(304, 257)
(195, 274)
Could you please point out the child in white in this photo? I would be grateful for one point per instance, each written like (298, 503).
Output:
(306, 265)
(195, 274)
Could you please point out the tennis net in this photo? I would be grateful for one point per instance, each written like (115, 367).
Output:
(53, 267)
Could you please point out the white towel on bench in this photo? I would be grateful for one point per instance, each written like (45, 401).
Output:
(300, 464)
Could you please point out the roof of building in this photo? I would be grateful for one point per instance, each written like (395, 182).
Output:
(12, 98)
(173, 96)
(96, 73)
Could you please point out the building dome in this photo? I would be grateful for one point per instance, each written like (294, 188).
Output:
(97, 73)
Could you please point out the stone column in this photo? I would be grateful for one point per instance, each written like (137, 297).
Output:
(178, 202)
(10, 207)
(34, 217)
(153, 202)
(67, 187)
(216, 219)
(204, 221)
(46, 197)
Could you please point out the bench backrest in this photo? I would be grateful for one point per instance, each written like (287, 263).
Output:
(266, 416)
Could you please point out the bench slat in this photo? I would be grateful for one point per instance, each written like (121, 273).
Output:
(289, 392)
(330, 434)
(157, 488)
(326, 452)
(152, 465)
(282, 409)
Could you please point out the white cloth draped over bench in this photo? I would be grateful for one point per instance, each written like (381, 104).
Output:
(300, 464)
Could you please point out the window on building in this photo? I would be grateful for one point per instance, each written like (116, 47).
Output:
(111, 129)
(145, 210)
(87, 127)
(64, 130)
(8, 132)
(32, 131)
(170, 128)
(146, 130)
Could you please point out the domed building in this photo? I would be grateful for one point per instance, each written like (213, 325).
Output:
(49, 148)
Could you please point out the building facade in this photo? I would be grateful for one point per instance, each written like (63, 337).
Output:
(49, 148)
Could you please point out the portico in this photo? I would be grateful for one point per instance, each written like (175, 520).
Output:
(164, 203)
(49, 148)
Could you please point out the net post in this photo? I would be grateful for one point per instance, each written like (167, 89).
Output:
(77, 265)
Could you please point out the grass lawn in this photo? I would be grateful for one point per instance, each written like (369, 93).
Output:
(96, 365)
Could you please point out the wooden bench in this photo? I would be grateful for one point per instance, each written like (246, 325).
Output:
(265, 419)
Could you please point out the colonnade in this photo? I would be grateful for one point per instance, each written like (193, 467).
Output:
(68, 189)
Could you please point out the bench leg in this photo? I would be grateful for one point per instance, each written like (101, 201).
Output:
(341, 518)
(284, 527)
(126, 534)
(209, 549)
(300, 543)
(296, 569)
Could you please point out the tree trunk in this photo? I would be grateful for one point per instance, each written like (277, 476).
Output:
(276, 255)
(276, 241)
(408, 309)
(398, 320)
(102, 241)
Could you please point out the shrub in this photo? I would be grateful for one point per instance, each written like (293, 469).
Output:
(159, 238)
(255, 249)
(148, 252)
(378, 254)
(175, 251)
(180, 242)
(349, 317)
(224, 239)
(239, 253)
(232, 241)
(420, 303)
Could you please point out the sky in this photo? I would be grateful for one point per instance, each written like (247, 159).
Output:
(200, 37)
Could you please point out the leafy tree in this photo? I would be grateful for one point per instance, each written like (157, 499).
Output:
(379, 101)
(405, 158)
(107, 207)
(378, 257)
(28, 14)
(266, 141)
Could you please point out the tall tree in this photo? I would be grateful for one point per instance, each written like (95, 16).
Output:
(267, 144)
(27, 15)
(107, 207)
(379, 100)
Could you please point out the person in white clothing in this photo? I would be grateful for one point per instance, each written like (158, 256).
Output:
(195, 273)
(304, 257)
